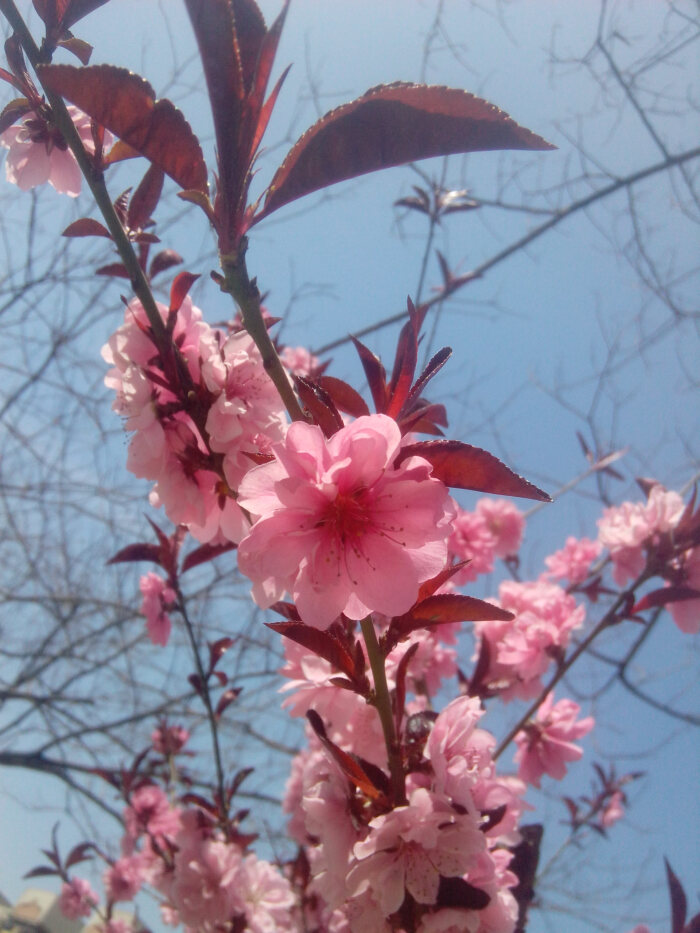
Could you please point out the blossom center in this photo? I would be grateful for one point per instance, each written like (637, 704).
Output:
(348, 516)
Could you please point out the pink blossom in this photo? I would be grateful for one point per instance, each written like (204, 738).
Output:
(299, 361)
(149, 811)
(506, 523)
(458, 751)
(545, 746)
(341, 528)
(77, 899)
(245, 415)
(266, 896)
(409, 848)
(169, 740)
(432, 663)
(522, 649)
(123, 880)
(613, 810)
(686, 612)
(205, 888)
(38, 153)
(625, 530)
(573, 561)
(158, 597)
(473, 541)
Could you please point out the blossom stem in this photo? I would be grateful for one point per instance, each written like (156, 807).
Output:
(246, 294)
(93, 176)
(206, 699)
(382, 703)
(610, 618)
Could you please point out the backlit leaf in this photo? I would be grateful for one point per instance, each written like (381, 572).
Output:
(86, 226)
(126, 104)
(321, 643)
(465, 467)
(390, 125)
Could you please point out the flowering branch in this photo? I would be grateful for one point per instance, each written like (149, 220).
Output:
(246, 294)
(623, 600)
(93, 176)
(382, 703)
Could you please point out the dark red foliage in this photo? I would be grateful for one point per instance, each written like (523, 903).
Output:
(390, 125)
(86, 226)
(204, 553)
(126, 104)
(462, 466)
(60, 15)
(353, 770)
(323, 644)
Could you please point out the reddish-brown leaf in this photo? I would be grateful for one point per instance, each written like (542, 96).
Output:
(217, 649)
(114, 270)
(250, 32)
(434, 366)
(79, 853)
(431, 586)
(351, 768)
(262, 58)
(40, 871)
(405, 363)
(13, 111)
(205, 553)
(165, 259)
(226, 699)
(391, 125)
(443, 609)
(125, 103)
(182, 283)
(136, 552)
(323, 644)
(60, 15)
(145, 199)
(664, 596)
(679, 903)
(344, 396)
(453, 607)
(375, 373)
(317, 401)
(460, 894)
(87, 226)
(214, 29)
(465, 467)
(82, 50)
(400, 692)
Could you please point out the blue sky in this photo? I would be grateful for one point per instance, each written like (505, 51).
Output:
(538, 325)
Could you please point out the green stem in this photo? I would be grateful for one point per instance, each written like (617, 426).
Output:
(245, 293)
(93, 176)
(382, 703)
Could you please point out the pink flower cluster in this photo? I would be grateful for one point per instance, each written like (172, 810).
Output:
(158, 599)
(340, 527)
(520, 651)
(77, 899)
(546, 745)
(364, 859)
(573, 562)
(197, 464)
(38, 153)
(206, 880)
(629, 529)
(494, 529)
